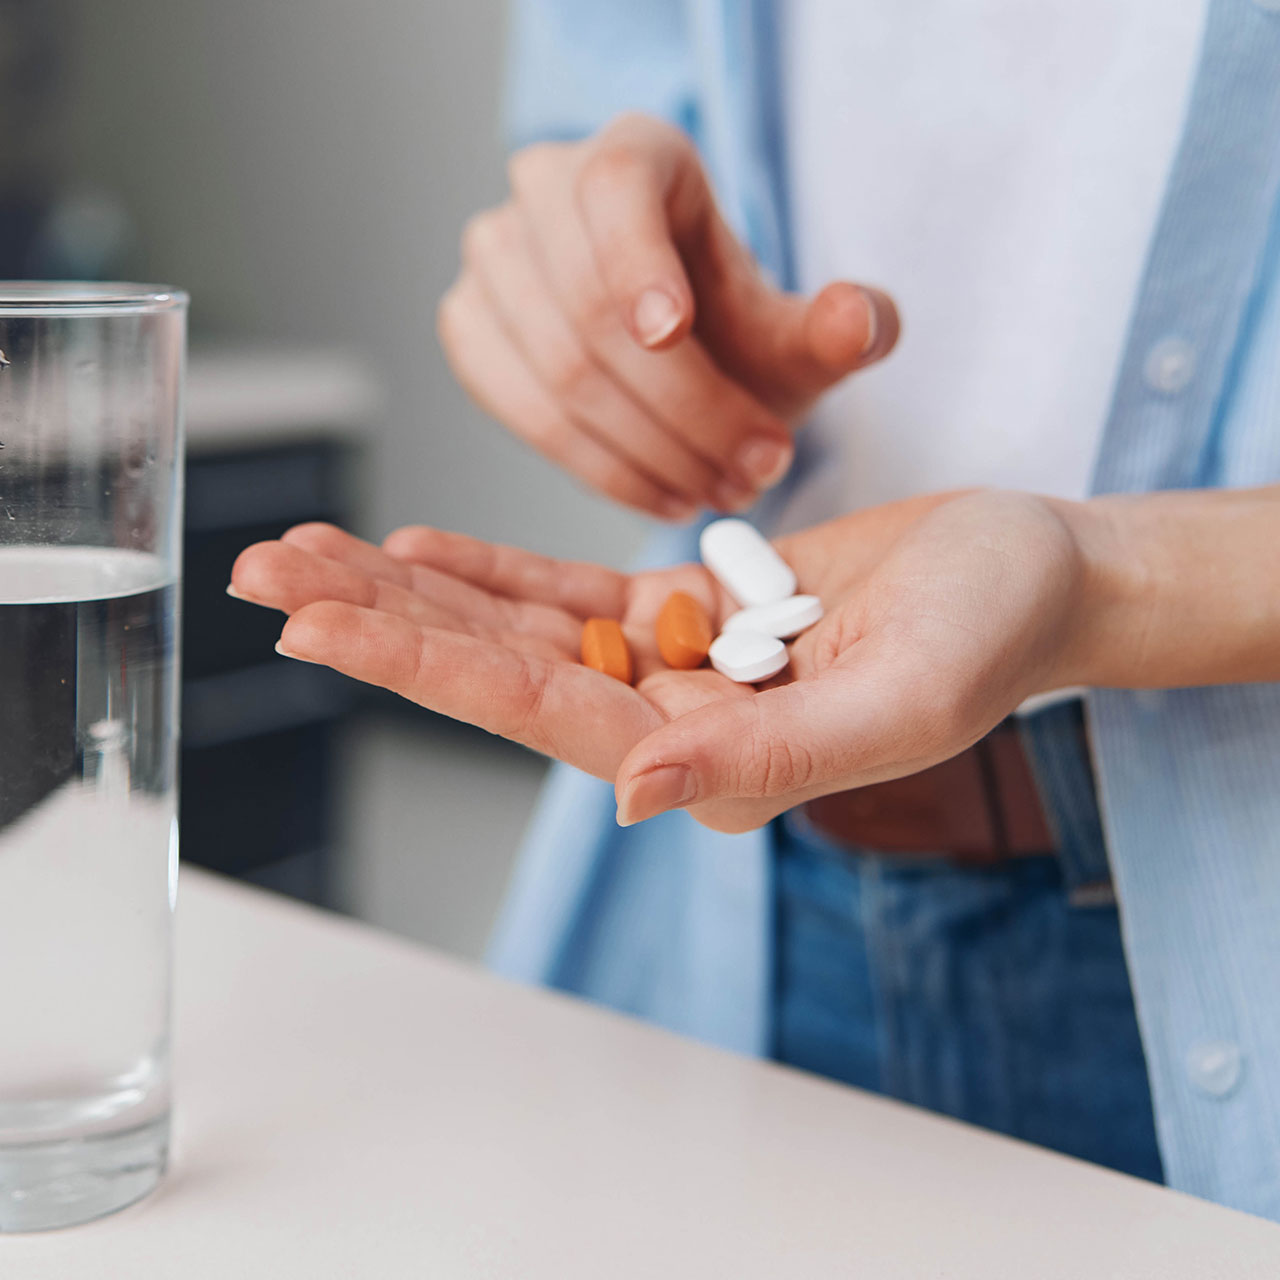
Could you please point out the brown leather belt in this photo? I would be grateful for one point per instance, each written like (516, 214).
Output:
(979, 808)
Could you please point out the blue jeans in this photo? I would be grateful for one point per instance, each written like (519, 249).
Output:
(998, 996)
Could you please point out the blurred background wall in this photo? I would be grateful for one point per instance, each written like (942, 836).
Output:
(303, 168)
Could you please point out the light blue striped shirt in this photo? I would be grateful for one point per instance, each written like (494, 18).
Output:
(670, 921)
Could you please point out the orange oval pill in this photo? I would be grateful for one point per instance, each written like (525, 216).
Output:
(684, 632)
(604, 648)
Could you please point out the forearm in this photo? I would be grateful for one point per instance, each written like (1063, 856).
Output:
(1178, 588)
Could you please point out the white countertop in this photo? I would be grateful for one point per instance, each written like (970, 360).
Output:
(350, 1105)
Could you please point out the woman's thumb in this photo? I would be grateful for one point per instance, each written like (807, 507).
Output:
(846, 327)
(776, 743)
(843, 328)
(789, 349)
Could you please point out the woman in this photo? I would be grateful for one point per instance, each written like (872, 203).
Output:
(950, 939)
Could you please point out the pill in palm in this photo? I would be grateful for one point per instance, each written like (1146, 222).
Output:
(605, 648)
(744, 563)
(683, 632)
(747, 656)
(783, 619)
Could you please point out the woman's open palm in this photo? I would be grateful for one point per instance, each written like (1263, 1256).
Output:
(937, 625)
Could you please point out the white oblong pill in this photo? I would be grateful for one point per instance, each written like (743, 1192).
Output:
(744, 563)
(784, 619)
(747, 656)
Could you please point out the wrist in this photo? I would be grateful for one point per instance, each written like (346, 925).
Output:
(1109, 620)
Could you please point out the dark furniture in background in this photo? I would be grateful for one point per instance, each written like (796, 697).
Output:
(274, 439)
(257, 729)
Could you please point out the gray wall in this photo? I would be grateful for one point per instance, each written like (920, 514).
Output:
(303, 167)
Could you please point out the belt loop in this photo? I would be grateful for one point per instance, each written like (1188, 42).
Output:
(1057, 748)
(994, 800)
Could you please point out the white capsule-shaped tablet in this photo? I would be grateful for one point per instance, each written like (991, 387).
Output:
(744, 563)
(784, 619)
(747, 656)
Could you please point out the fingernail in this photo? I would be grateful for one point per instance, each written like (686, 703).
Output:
(731, 496)
(289, 653)
(873, 320)
(764, 460)
(238, 595)
(667, 787)
(656, 316)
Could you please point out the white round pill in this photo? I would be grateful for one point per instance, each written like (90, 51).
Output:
(784, 619)
(747, 656)
(744, 563)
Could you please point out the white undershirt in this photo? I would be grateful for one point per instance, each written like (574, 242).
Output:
(998, 166)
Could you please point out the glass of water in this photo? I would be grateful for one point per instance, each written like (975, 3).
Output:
(90, 542)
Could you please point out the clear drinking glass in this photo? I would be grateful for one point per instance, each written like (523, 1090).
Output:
(90, 540)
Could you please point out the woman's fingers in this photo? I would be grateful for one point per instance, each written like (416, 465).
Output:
(497, 377)
(281, 575)
(332, 543)
(650, 212)
(559, 708)
(286, 575)
(582, 589)
(574, 323)
(495, 250)
(635, 172)
(681, 386)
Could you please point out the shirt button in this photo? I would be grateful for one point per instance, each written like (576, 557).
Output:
(1215, 1066)
(1170, 364)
